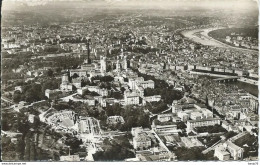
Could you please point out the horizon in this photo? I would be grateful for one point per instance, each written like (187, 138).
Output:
(131, 4)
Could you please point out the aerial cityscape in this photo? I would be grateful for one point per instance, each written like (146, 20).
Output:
(129, 80)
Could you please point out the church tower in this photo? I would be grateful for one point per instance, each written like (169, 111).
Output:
(125, 62)
(103, 64)
(118, 68)
(88, 60)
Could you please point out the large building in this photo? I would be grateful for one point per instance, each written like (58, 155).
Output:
(139, 82)
(131, 98)
(141, 140)
(221, 153)
(203, 122)
(52, 94)
(97, 89)
(165, 128)
(228, 149)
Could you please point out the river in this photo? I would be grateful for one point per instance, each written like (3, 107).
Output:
(201, 36)
(252, 89)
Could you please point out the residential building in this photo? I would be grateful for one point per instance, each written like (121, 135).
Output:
(131, 98)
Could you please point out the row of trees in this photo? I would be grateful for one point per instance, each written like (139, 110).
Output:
(211, 129)
(156, 107)
(194, 153)
(167, 95)
(67, 62)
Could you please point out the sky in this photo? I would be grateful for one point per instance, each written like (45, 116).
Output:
(10, 4)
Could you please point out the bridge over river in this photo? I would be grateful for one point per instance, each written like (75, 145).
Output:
(227, 79)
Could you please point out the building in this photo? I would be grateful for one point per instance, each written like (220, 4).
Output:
(115, 120)
(65, 85)
(70, 158)
(176, 108)
(160, 156)
(118, 66)
(139, 82)
(191, 142)
(203, 122)
(254, 104)
(131, 98)
(97, 89)
(78, 72)
(154, 98)
(142, 141)
(164, 117)
(52, 94)
(103, 64)
(125, 63)
(221, 153)
(235, 151)
(31, 118)
(165, 128)
(183, 116)
(136, 130)
(228, 149)
(77, 82)
(196, 115)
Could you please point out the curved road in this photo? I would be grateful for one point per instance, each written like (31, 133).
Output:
(201, 36)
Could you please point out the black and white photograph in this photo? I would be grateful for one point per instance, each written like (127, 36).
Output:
(129, 81)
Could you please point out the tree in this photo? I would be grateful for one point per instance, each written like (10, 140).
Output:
(32, 152)
(207, 101)
(27, 149)
(20, 146)
(5, 126)
(58, 70)
(23, 125)
(121, 149)
(109, 68)
(74, 143)
(36, 122)
(74, 88)
(17, 96)
(50, 73)
(75, 75)
(181, 125)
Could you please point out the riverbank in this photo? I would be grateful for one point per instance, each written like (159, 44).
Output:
(201, 36)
